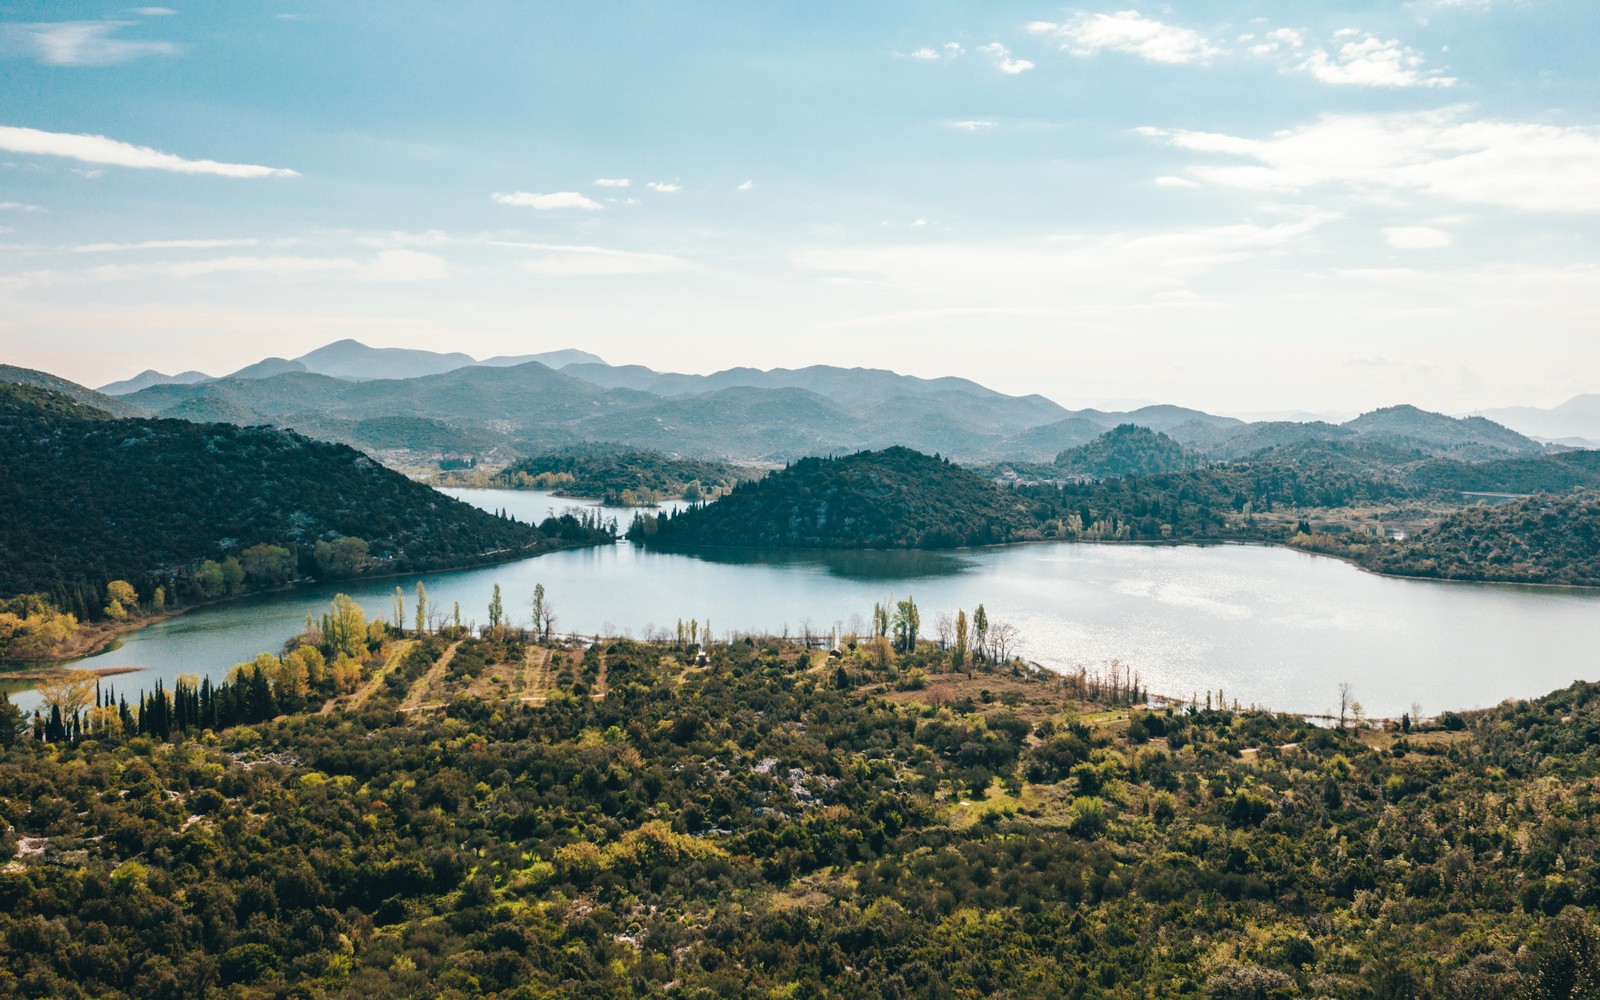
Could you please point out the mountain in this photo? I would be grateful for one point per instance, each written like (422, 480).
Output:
(150, 377)
(1127, 450)
(1578, 417)
(351, 359)
(1044, 442)
(86, 499)
(895, 498)
(550, 359)
(267, 368)
(11, 375)
(1465, 435)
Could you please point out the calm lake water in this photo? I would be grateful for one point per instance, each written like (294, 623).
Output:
(1267, 626)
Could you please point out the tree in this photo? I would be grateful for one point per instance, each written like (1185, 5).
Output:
(12, 722)
(69, 692)
(1345, 691)
(980, 629)
(267, 565)
(907, 623)
(341, 557)
(959, 654)
(232, 576)
(497, 610)
(399, 608)
(120, 599)
(422, 608)
(344, 627)
(538, 607)
(1004, 638)
(208, 580)
(944, 628)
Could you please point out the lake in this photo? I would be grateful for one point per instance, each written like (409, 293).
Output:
(1266, 626)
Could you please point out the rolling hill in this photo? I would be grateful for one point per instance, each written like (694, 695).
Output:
(895, 498)
(86, 498)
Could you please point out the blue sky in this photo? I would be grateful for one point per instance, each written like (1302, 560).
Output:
(1244, 207)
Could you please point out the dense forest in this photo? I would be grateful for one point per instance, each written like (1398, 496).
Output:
(1540, 539)
(1127, 450)
(895, 498)
(492, 817)
(206, 510)
(618, 476)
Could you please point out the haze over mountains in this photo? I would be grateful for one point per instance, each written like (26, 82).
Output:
(412, 407)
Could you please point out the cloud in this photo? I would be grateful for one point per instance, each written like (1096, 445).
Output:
(1003, 61)
(78, 43)
(547, 202)
(1129, 269)
(1372, 62)
(665, 187)
(1416, 238)
(163, 245)
(613, 182)
(566, 261)
(971, 125)
(390, 265)
(1177, 182)
(949, 50)
(1444, 154)
(746, 186)
(1131, 32)
(154, 11)
(99, 149)
(18, 206)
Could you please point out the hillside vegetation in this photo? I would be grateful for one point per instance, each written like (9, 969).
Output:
(895, 498)
(772, 823)
(618, 476)
(1127, 450)
(206, 510)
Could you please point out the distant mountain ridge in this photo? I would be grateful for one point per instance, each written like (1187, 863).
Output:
(417, 407)
(1577, 418)
(354, 361)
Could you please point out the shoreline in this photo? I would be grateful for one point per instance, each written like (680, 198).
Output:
(105, 634)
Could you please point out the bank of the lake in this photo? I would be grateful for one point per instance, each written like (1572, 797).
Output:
(1266, 625)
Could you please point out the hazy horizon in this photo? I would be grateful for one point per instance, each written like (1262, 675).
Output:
(1276, 207)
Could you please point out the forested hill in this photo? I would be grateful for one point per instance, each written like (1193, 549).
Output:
(85, 499)
(895, 498)
(616, 474)
(1541, 539)
(1127, 450)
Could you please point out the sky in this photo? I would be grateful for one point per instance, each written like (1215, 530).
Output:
(1246, 207)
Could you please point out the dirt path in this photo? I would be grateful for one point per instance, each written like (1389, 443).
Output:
(419, 690)
(367, 690)
(600, 685)
(536, 676)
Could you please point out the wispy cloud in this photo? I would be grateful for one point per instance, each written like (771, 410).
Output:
(1519, 165)
(18, 206)
(927, 53)
(547, 202)
(111, 152)
(563, 260)
(613, 182)
(1003, 60)
(665, 187)
(971, 125)
(164, 245)
(1131, 32)
(78, 43)
(746, 186)
(390, 265)
(154, 11)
